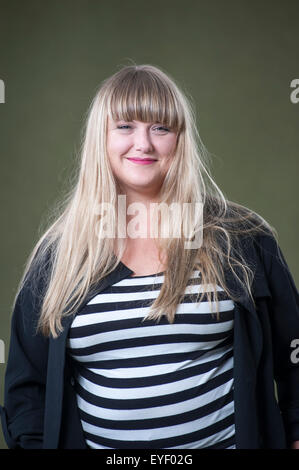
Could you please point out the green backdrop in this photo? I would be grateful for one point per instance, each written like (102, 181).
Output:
(235, 58)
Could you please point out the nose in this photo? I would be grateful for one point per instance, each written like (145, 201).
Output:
(142, 141)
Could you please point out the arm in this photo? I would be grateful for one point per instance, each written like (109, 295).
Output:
(25, 378)
(284, 311)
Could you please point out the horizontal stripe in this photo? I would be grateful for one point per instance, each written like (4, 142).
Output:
(168, 377)
(145, 294)
(182, 404)
(156, 390)
(168, 442)
(225, 440)
(107, 353)
(114, 312)
(85, 329)
(202, 333)
(203, 341)
(135, 361)
(154, 384)
(208, 356)
(172, 398)
(153, 421)
(159, 433)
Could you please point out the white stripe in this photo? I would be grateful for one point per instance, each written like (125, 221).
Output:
(200, 444)
(159, 433)
(140, 312)
(155, 390)
(156, 411)
(103, 298)
(160, 369)
(150, 331)
(146, 351)
(210, 440)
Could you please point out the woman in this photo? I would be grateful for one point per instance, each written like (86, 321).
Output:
(156, 329)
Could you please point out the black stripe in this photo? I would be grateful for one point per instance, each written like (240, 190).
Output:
(137, 403)
(169, 377)
(231, 441)
(163, 443)
(165, 421)
(145, 286)
(139, 322)
(222, 295)
(138, 303)
(152, 360)
(113, 306)
(147, 341)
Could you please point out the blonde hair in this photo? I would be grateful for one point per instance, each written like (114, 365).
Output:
(69, 256)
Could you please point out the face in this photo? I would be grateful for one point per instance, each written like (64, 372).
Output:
(140, 154)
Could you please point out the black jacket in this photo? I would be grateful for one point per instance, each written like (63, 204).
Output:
(40, 408)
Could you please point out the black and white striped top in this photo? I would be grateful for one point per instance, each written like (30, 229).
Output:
(149, 384)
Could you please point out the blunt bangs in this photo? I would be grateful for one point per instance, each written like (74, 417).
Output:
(141, 95)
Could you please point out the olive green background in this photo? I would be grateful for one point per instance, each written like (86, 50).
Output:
(236, 59)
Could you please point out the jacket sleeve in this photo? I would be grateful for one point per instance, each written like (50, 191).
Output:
(25, 378)
(284, 318)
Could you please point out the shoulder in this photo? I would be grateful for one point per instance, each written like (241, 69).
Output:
(254, 238)
(255, 243)
(267, 258)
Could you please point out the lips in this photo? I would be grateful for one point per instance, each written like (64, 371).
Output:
(142, 161)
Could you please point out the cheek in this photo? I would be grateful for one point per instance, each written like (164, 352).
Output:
(169, 151)
(114, 144)
(117, 148)
(111, 147)
(169, 146)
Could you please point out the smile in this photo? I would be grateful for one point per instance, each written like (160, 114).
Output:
(139, 161)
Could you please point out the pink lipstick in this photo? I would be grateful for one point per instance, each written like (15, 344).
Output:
(141, 161)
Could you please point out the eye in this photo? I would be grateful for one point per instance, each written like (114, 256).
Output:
(162, 128)
(158, 128)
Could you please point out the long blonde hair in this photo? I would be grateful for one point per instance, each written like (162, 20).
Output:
(77, 260)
